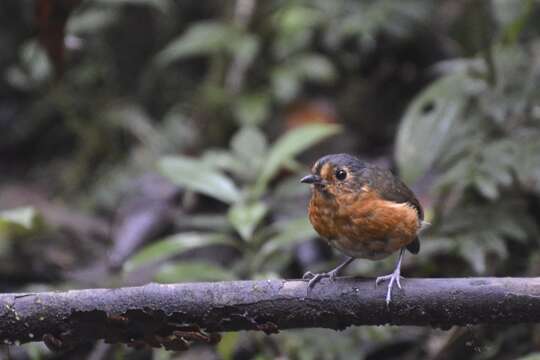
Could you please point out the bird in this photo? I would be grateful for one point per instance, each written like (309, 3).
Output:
(365, 212)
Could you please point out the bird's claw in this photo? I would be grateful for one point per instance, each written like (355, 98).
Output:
(397, 280)
(315, 278)
(331, 275)
(394, 277)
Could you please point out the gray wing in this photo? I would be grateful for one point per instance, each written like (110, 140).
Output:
(390, 187)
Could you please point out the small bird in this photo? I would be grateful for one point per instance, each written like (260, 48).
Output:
(363, 211)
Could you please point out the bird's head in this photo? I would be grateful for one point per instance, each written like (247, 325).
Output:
(335, 174)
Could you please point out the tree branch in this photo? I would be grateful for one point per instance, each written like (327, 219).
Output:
(174, 315)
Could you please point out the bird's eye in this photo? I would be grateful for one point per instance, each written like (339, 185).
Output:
(341, 174)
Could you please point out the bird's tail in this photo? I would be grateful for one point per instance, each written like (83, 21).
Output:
(414, 246)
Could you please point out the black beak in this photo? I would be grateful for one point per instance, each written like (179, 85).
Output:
(311, 179)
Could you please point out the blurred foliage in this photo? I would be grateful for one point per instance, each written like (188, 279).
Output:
(23, 218)
(483, 141)
(254, 164)
(231, 101)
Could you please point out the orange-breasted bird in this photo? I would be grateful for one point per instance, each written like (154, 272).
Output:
(363, 211)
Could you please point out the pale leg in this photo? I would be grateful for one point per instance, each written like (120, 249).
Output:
(393, 277)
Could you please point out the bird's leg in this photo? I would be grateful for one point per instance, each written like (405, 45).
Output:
(315, 278)
(394, 277)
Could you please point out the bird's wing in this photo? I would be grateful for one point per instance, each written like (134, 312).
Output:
(389, 187)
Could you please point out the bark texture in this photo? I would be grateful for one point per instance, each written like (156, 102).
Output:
(174, 315)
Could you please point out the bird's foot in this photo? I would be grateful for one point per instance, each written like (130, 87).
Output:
(394, 277)
(315, 278)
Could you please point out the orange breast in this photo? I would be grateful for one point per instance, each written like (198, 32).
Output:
(362, 224)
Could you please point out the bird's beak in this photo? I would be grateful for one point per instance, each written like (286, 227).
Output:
(311, 179)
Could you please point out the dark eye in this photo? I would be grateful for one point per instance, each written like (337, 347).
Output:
(341, 174)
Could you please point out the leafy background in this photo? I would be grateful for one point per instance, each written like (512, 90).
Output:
(160, 140)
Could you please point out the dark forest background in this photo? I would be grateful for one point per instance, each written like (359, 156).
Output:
(161, 140)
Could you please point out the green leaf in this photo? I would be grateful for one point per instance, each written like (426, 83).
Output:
(35, 67)
(285, 83)
(199, 177)
(160, 5)
(531, 356)
(202, 38)
(227, 345)
(428, 123)
(294, 232)
(276, 251)
(244, 48)
(91, 21)
(214, 222)
(246, 217)
(315, 67)
(291, 144)
(252, 109)
(514, 230)
(513, 19)
(486, 186)
(192, 271)
(224, 160)
(528, 168)
(474, 254)
(288, 192)
(495, 244)
(249, 149)
(174, 245)
(288, 77)
(296, 18)
(249, 142)
(24, 217)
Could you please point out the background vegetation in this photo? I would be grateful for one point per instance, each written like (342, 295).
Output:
(166, 143)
